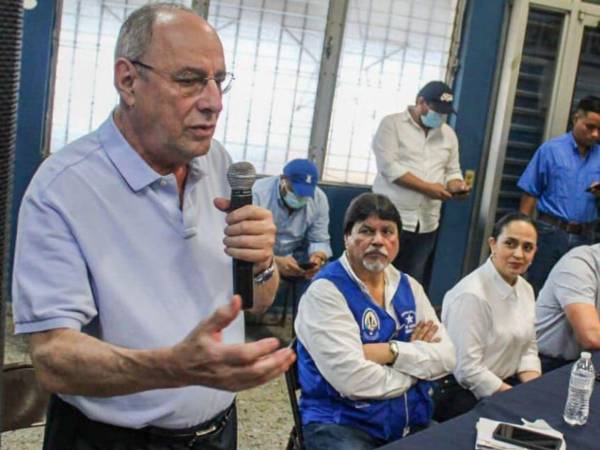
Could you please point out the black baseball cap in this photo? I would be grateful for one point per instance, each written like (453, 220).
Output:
(439, 96)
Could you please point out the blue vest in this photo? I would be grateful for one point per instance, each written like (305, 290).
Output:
(383, 419)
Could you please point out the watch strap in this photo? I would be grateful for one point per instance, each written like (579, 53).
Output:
(265, 275)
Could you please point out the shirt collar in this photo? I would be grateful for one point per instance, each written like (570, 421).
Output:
(132, 167)
(136, 172)
(573, 142)
(407, 117)
(499, 284)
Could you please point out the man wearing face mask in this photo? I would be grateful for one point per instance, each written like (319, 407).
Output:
(418, 168)
(301, 213)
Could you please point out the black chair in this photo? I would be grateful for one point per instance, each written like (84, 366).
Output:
(296, 441)
(24, 402)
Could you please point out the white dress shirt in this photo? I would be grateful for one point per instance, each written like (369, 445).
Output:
(327, 329)
(400, 146)
(491, 324)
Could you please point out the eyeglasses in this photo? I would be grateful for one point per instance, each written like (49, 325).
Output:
(190, 84)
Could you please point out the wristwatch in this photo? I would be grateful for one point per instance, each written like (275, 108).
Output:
(265, 275)
(394, 349)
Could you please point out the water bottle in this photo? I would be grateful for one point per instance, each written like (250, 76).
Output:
(581, 385)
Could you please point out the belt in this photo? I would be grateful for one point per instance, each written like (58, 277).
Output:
(101, 431)
(194, 433)
(569, 227)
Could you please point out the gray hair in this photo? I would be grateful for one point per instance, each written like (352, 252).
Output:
(136, 32)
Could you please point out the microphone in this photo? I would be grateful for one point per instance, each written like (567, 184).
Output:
(241, 176)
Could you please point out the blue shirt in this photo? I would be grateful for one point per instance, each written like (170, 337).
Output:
(302, 232)
(558, 177)
(103, 247)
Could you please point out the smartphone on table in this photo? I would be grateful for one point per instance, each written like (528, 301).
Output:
(526, 438)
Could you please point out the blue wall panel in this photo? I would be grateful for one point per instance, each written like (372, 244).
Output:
(34, 90)
(474, 87)
(339, 197)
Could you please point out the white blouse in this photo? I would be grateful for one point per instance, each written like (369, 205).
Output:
(491, 324)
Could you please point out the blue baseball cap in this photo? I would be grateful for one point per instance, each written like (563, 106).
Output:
(303, 175)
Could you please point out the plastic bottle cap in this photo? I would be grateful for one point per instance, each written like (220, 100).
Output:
(586, 355)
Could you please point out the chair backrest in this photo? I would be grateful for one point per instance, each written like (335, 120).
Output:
(24, 402)
(296, 441)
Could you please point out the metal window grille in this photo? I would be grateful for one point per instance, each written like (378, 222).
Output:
(274, 49)
(83, 93)
(390, 49)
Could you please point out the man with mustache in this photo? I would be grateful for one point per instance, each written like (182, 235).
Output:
(368, 340)
(122, 274)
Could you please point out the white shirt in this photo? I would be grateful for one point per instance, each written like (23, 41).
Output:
(492, 326)
(327, 329)
(400, 146)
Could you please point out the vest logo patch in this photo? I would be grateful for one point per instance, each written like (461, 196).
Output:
(370, 324)
(409, 320)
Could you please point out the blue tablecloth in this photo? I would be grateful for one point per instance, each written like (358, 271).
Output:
(543, 398)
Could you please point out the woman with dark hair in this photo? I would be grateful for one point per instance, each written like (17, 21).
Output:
(490, 316)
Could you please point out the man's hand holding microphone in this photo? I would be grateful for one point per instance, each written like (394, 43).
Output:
(249, 239)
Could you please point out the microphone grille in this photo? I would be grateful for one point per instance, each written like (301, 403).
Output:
(241, 175)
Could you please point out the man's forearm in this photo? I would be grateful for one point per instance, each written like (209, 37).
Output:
(528, 375)
(413, 182)
(589, 339)
(71, 362)
(379, 353)
(527, 205)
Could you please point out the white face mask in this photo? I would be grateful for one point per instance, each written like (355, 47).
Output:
(432, 119)
(293, 201)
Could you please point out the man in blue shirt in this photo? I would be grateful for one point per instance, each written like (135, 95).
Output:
(562, 180)
(301, 213)
(120, 278)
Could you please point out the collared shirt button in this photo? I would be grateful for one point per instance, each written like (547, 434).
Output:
(163, 182)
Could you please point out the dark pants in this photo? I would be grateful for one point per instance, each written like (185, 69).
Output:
(550, 363)
(328, 436)
(552, 244)
(414, 254)
(68, 429)
(452, 400)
